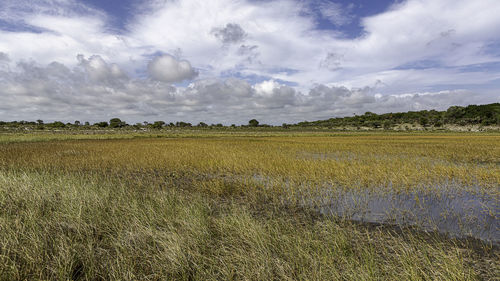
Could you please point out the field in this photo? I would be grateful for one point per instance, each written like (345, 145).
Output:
(250, 205)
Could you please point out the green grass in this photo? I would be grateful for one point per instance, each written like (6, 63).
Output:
(65, 227)
(170, 208)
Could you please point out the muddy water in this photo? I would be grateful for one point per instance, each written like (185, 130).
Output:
(452, 209)
(458, 213)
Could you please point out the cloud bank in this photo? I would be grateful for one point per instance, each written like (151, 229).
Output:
(230, 61)
(97, 90)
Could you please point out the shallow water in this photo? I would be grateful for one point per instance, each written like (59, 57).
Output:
(446, 210)
(449, 208)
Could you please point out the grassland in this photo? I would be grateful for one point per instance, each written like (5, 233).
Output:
(211, 206)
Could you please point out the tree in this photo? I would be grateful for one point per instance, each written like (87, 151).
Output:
(58, 124)
(39, 121)
(424, 121)
(116, 123)
(202, 124)
(369, 114)
(158, 124)
(375, 124)
(77, 123)
(387, 124)
(102, 124)
(253, 123)
(182, 124)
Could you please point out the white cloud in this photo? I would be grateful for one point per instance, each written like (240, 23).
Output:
(100, 71)
(94, 91)
(58, 30)
(4, 57)
(334, 12)
(415, 30)
(265, 46)
(167, 69)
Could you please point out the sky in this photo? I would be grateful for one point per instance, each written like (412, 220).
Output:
(223, 61)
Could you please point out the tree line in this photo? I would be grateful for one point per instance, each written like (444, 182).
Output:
(117, 123)
(486, 115)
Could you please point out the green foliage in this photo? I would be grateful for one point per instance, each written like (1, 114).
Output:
(484, 115)
(387, 124)
(424, 121)
(102, 124)
(183, 124)
(488, 114)
(116, 123)
(158, 124)
(57, 124)
(253, 123)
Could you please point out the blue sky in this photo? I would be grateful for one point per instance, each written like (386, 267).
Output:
(228, 61)
(121, 11)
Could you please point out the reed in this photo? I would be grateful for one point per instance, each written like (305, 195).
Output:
(231, 206)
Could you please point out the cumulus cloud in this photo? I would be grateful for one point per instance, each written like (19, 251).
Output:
(99, 71)
(93, 91)
(286, 36)
(245, 56)
(168, 69)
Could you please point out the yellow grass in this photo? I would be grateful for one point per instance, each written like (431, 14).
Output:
(347, 161)
(216, 206)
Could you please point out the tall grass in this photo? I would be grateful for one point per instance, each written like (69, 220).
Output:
(397, 162)
(196, 208)
(64, 227)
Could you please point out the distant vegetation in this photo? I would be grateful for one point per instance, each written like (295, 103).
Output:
(486, 115)
(483, 115)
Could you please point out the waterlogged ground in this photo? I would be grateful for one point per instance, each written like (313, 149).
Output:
(448, 183)
(445, 183)
(446, 210)
(458, 211)
(449, 207)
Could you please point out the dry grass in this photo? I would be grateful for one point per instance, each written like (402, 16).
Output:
(349, 161)
(190, 207)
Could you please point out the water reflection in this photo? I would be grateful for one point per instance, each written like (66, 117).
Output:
(449, 208)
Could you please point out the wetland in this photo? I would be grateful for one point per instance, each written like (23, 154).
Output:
(250, 205)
